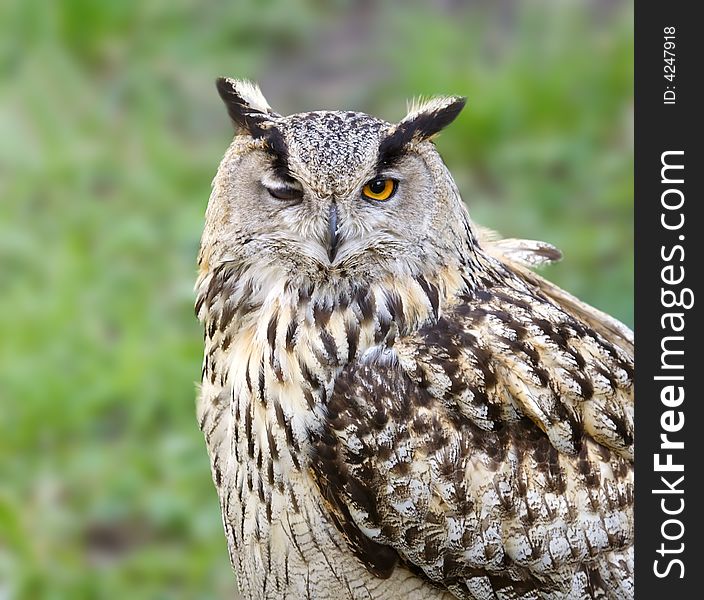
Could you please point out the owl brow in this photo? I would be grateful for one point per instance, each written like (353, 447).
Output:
(392, 148)
(277, 149)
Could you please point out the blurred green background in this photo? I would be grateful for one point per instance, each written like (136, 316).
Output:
(110, 133)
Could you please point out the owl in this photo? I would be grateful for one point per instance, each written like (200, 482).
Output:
(394, 404)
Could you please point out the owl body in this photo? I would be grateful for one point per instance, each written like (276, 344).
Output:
(394, 405)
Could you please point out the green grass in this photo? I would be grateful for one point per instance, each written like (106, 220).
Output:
(110, 133)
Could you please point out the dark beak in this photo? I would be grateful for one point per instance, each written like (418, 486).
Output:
(332, 237)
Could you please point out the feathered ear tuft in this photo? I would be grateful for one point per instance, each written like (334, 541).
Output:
(245, 104)
(425, 118)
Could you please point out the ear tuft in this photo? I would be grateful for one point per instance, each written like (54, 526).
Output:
(425, 118)
(245, 104)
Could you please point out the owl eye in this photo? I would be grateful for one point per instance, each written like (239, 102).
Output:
(282, 188)
(285, 193)
(380, 188)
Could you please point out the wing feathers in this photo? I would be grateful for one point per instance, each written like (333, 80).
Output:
(522, 255)
(496, 454)
(471, 509)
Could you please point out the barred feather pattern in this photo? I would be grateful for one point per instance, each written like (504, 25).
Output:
(434, 436)
(273, 350)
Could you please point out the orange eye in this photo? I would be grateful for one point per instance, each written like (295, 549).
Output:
(379, 189)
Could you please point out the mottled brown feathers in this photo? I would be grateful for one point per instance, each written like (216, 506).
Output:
(382, 421)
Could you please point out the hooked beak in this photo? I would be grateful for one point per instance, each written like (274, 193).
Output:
(332, 237)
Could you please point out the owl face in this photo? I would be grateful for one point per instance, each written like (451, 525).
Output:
(331, 194)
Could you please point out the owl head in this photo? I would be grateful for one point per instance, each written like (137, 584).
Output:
(333, 194)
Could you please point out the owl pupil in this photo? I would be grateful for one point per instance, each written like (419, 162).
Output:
(377, 186)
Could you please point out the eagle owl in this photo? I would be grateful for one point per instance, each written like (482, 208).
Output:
(394, 404)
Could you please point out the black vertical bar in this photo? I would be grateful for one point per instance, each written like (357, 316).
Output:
(668, 127)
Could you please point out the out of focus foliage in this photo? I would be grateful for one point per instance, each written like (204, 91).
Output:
(110, 133)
